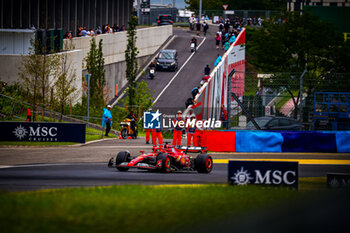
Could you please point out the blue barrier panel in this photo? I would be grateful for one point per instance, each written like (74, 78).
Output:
(309, 142)
(343, 141)
(42, 132)
(261, 141)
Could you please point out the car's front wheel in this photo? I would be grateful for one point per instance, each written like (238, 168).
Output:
(122, 157)
(204, 163)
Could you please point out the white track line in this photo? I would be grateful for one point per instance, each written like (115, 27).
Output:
(139, 75)
(177, 73)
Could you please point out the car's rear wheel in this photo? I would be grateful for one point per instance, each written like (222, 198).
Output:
(122, 157)
(204, 163)
(166, 162)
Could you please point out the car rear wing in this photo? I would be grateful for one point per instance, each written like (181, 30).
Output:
(192, 149)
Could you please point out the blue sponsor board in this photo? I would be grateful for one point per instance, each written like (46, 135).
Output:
(42, 132)
(264, 173)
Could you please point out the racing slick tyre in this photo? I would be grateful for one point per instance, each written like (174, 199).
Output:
(166, 162)
(122, 157)
(124, 133)
(204, 163)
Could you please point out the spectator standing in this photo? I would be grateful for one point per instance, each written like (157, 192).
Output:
(29, 115)
(207, 70)
(107, 119)
(205, 28)
(84, 32)
(190, 20)
(226, 46)
(195, 91)
(191, 131)
(148, 132)
(224, 116)
(218, 60)
(198, 27)
(115, 28)
(189, 102)
(178, 124)
(217, 40)
(157, 134)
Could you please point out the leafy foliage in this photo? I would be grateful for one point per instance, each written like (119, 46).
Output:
(64, 85)
(95, 67)
(37, 74)
(301, 42)
(130, 58)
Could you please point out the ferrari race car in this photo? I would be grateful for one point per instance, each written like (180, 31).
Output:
(165, 159)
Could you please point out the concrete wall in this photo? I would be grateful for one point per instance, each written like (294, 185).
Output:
(114, 46)
(10, 64)
(15, 41)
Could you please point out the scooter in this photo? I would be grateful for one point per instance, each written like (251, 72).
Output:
(193, 47)
(152, 72)
(127, 129)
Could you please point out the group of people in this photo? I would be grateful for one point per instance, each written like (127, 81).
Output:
(195, 24)
(83, 31)
(190, 129)
(227, 34)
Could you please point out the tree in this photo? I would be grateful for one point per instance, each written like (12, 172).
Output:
(301, 42)
(130, 58)
(143, 97)
(64, 85)
(38, 73)
(95, 67)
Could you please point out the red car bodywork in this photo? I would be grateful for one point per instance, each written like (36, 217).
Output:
(168, 158)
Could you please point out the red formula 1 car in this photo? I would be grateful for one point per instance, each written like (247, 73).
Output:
(165, 159)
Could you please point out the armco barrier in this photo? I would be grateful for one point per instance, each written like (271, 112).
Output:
(264, 141)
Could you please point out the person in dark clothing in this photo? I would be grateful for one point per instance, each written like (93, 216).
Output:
(194, 40)
(205, 28)
(195, 91)
(207, 70)
(198, 27)
(189, 102)
(107, 119)
(133, 119)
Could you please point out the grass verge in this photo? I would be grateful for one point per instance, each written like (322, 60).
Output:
(137, 208)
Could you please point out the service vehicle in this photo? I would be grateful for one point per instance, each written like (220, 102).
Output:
(165, 159)
(166, 60)
(127, 130)
(275, 123)
(164, 20)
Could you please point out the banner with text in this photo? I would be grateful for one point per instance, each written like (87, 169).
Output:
(42, 132)
(264, 173)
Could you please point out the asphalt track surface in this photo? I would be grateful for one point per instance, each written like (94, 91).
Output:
(41, 176)
(33, 168)
(189, 73)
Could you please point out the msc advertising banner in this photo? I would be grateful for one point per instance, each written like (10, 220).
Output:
(42, 132)
(264, 173)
